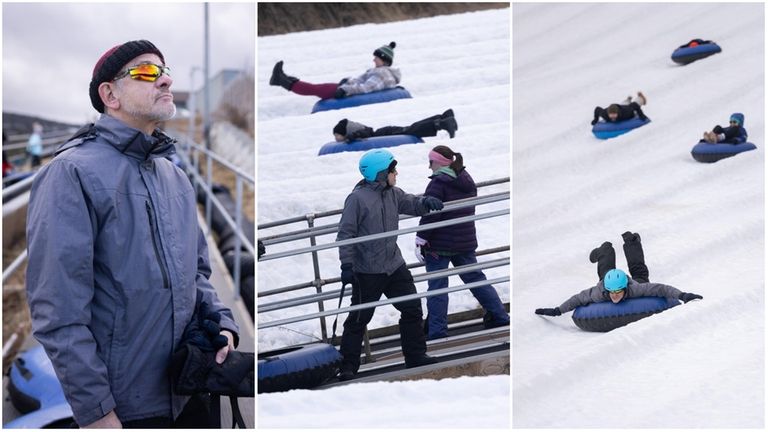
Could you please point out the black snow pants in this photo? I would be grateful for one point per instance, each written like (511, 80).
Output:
(369, 288)
(633, 251)
(422, 128)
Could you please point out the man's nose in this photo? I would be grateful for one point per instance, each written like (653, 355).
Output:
(165, 80)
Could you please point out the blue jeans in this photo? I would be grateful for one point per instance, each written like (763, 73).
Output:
(437, 306)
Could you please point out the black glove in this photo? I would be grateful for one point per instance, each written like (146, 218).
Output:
(594, 122)
(343, 81)
(432, 203)
(686, 297)
(347, 275)
(549, 312)
(340, 93)
(203, 329)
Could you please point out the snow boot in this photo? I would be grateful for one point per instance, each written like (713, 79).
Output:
(422, 360)
(641, 98)
(346, 373)
(279, 78)
(600, 252)
(710, 137)
(449, 125)
(489, 322)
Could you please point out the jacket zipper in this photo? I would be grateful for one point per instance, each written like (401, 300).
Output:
(158, 255)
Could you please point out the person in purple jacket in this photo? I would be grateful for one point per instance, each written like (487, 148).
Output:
(439, 247)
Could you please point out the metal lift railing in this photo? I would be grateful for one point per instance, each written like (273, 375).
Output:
(314, 231)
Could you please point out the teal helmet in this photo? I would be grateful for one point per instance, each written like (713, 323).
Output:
(615, 280)
(374, 161)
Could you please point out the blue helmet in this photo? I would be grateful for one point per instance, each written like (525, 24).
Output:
(739, 117)
(615, 280)
(374, 161)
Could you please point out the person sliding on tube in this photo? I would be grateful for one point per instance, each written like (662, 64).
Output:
(614, 285)
(347, 130)
(616, 112)
(733, 134)
(382, 76)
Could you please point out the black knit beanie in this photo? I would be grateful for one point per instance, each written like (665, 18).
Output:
(341, 128)
(112, 61)
(386, 53)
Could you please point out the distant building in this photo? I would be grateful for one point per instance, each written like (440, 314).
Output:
(181, 99)
(217, 85)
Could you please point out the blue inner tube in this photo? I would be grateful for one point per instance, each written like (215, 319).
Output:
(301, 367)
(361, 99)
(684, 55)
(708, 152)
(606, 316)
(605, 130)
(368, 143)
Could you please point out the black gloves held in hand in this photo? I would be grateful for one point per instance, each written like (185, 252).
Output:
(432, 203)
(549, 312)
(686, 297)
(347, 275)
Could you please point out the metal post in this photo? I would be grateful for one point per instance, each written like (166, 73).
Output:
(239, 223)
(318, 282)
(209, 182)
(191, 106)
(206, 85)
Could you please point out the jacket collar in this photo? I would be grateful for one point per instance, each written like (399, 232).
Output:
(133, 142)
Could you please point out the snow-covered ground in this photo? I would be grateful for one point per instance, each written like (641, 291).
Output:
(456, 61)
(700, 365)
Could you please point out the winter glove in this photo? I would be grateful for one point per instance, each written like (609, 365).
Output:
(203, 330)
(347, 275)
(432, 203)
(686, 297)
(340, 93)
(593, 122)
(419, 254)
(343, 81)
(549, 312)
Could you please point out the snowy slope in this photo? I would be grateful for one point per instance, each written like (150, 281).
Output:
(700, 364)
(455, 61)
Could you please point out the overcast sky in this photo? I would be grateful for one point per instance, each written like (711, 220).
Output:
(50, 49)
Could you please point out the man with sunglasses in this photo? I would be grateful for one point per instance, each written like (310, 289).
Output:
(614, 285)
(733, 134)
(117, 262)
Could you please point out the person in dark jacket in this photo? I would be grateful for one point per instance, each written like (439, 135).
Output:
(117, 262)
(347, 130)
(733, 134)
(621, 112)
(380, 77)
(614, 285)
(377, 267)
(454, 244)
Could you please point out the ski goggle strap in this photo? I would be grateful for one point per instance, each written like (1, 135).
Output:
(144, 72)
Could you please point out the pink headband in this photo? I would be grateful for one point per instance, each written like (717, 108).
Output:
(440, 159)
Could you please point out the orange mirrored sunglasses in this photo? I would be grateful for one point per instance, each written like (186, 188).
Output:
(144, 72)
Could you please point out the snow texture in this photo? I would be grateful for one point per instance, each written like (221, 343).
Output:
(702, 225)
(472, 77)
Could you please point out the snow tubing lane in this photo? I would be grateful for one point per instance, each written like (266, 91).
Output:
(708, 152)
(361, 99)
(368, 143)
(606, 130)
(685, 55)
(606, 316)
(297, 368)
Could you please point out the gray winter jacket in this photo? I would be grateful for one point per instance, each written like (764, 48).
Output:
(374, 79)
(371, 208)
(115, 261)
(598, 294)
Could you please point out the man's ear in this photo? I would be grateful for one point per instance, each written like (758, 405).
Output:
(108, 95)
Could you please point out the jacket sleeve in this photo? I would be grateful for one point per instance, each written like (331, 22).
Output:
(588, 296)
(61, 228)
(371, 81)
(409, 204)
(208, 293)
(437, 192)
(651, 289)
(348, 229)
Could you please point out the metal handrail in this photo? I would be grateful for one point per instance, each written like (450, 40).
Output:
(334, 280)
(362, 306)
(329, 295)
(331, 228)
(11, 269)
(385, 234)
(222, 161)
